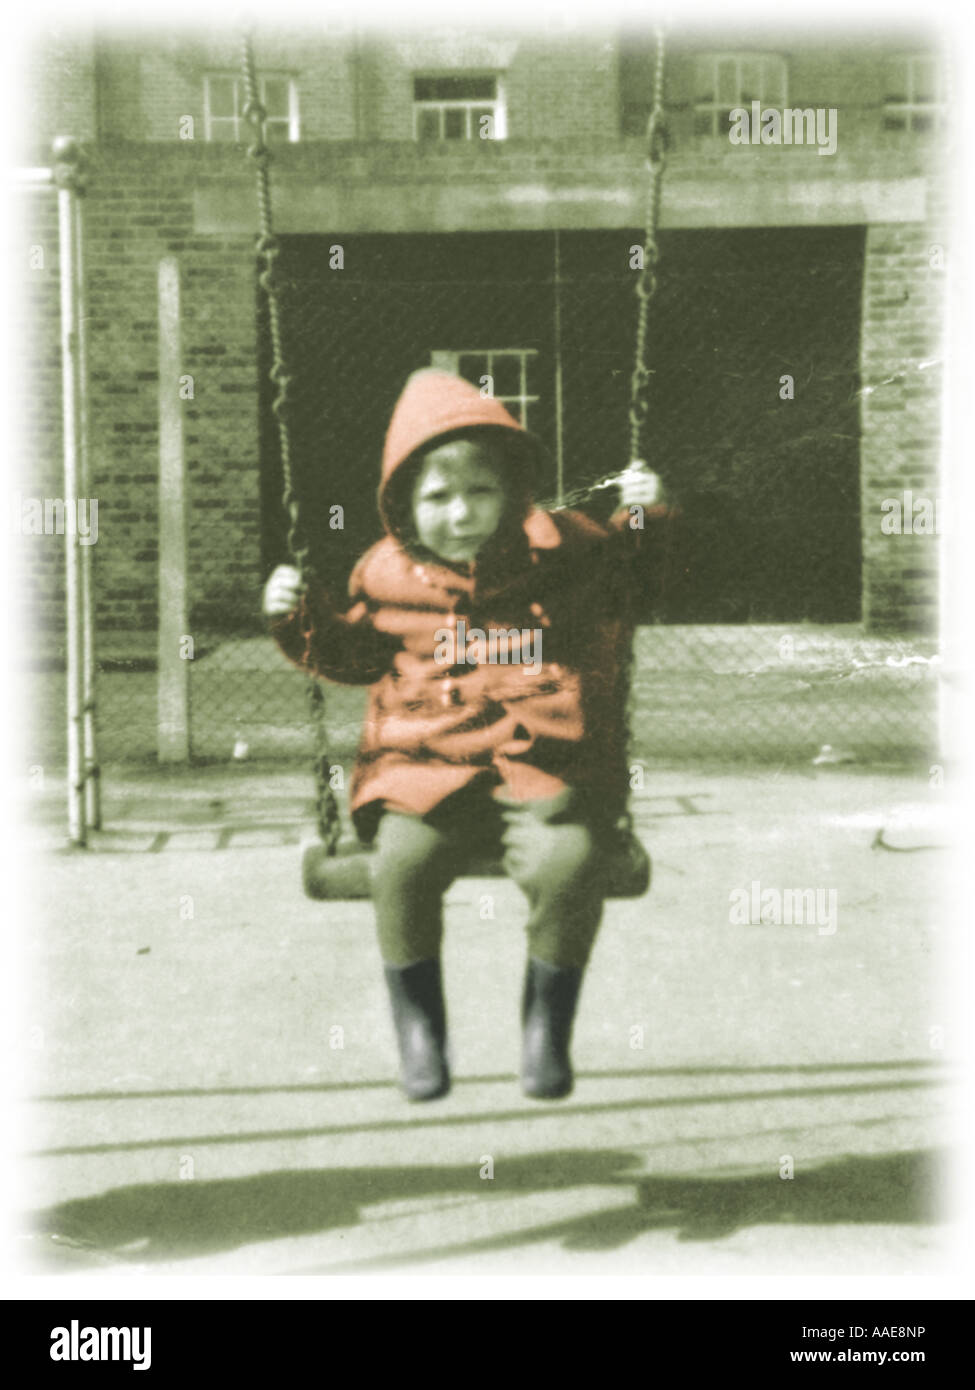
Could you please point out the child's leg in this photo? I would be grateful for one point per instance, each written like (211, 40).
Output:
(411, 871)
(556, 867)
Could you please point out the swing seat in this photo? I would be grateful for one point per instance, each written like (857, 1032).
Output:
(346, 875)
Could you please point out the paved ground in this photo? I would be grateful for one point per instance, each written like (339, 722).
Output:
(211, 1062)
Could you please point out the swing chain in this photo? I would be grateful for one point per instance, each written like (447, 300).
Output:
(326, 804)
(658, 144)
(268, 248)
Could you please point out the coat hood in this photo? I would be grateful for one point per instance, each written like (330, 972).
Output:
(435, 403)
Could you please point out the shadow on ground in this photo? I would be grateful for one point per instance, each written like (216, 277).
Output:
(181, 1220)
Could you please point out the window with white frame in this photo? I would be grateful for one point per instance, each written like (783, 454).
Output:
(462, 107)
(724, 81)
(224, 99)
(914, 97)
(508, 374)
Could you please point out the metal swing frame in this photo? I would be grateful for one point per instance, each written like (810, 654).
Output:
(67, 178)
(339, 868)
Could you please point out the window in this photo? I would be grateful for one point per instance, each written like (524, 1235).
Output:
(914, 98)
(469, 107)
(723, 81)
(512, 373)
(224, 100)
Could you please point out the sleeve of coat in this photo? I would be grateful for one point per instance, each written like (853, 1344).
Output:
(341, 647)
(654, 547)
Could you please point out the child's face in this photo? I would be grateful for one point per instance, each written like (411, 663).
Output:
(458, 499)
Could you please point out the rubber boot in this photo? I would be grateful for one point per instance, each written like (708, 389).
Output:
(548, 1010)
(416, 994)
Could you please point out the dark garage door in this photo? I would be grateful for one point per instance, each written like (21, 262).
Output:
(769, 486)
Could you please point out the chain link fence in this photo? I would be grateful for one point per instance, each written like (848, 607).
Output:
(754, 652)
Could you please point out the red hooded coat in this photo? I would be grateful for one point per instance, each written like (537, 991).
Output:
(432, 728)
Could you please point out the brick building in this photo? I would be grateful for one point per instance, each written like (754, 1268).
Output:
(779, 260)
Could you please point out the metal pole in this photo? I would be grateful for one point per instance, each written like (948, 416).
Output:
(92, 772)
(173, 694)
(559, 456)
(66, 173)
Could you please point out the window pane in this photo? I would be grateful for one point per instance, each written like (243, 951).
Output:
(276, 96)
(222, 96)
(277, 132)
(896, 81)
(472, 366)
(704, 83)
(507, 375)
(925, 80)
(223, 130)
(481, 89)
(428, 124)
(727, 85)
(773, 82)
(531, 374)
(751, 81)
(483, 123)
(455, 123)
(463, 88)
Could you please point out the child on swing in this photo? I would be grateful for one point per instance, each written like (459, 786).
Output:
(492, 636)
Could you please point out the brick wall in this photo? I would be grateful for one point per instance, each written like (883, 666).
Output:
(902, 374)
(133, 218)
(560, 87)
(564, 89)
(149, 201)
(36, 398)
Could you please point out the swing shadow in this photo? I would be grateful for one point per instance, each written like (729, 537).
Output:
(154, 1222)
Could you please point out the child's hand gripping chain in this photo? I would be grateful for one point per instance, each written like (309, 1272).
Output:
(639, 486)
(283, 591)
